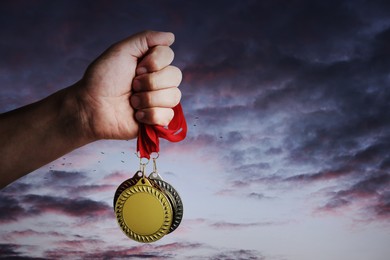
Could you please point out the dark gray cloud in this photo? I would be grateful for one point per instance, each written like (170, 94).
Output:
(258, 196)
(374, 187)
(15, 208)
(13, 251)
(17, 188)
(64, 178)
(10, 209)
(71, 183)
(145, 251)
(325, 174)
(324, 65)
(382, 205)
(268, 42)
(78, 207)
(240, 254)
(9, 250)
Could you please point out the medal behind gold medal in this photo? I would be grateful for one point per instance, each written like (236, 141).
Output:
(143, 212)
(173, 197)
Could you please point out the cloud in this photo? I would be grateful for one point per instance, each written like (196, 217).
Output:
(271, 42)
(79, 243)
(115, 177)
(146, 251)
(323, 175)
(9, 250)
(64, 178)
(370, 194)
(337, 125)
(258, 196)
(253, 168)
(382, 207)
(232, 225)
(239, 254)
(18, 234)
(17, 188)
(74, 251)
(91, 189)
(31, 205)
(153, 251)
(179, 246)
(13, 251)
(78, 207)
(10, 209)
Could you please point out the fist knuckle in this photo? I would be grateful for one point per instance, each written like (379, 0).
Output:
(148, 99)
(152, 115)
(152, 81)
(158, 117)
(155, 54)
(153, 64)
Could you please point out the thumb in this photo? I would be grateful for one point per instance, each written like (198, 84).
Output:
(140, 43)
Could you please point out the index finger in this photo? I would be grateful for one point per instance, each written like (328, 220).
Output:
(156, 59)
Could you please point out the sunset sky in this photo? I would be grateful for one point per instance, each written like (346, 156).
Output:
(287, 155)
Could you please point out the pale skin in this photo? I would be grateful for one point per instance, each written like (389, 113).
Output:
(132, 82)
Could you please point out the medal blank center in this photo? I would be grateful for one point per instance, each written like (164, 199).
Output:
(143, 214)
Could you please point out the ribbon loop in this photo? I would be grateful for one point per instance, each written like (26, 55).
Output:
(148, 135)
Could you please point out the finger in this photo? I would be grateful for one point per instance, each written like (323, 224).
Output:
(139, 44)
(155, 116)
(167, 98)
(156, 59)
(168, 77)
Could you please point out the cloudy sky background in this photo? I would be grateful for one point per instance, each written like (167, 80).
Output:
(288, 148)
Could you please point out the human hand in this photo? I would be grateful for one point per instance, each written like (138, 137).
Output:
(130, 82)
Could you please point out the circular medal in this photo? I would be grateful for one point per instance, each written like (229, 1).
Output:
(173, 197)
(127, 184)
(143, 212)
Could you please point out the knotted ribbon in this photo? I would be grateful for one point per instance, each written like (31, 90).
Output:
(148, 135)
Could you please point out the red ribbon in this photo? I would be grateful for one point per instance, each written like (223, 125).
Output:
(148, 135)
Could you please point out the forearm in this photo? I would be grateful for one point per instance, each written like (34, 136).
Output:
(34, 135)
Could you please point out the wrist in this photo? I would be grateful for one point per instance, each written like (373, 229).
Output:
(72, 111)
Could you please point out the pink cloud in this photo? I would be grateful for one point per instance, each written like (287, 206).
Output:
(232, 225)
(90, 189)
(15, 235)
(178, 246)
(115, 177)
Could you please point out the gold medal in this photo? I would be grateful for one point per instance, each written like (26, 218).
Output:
(143, 212)
(147, 208)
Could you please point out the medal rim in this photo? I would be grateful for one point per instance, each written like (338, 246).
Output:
(178, 209)
(125, 185)
(167, 210)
